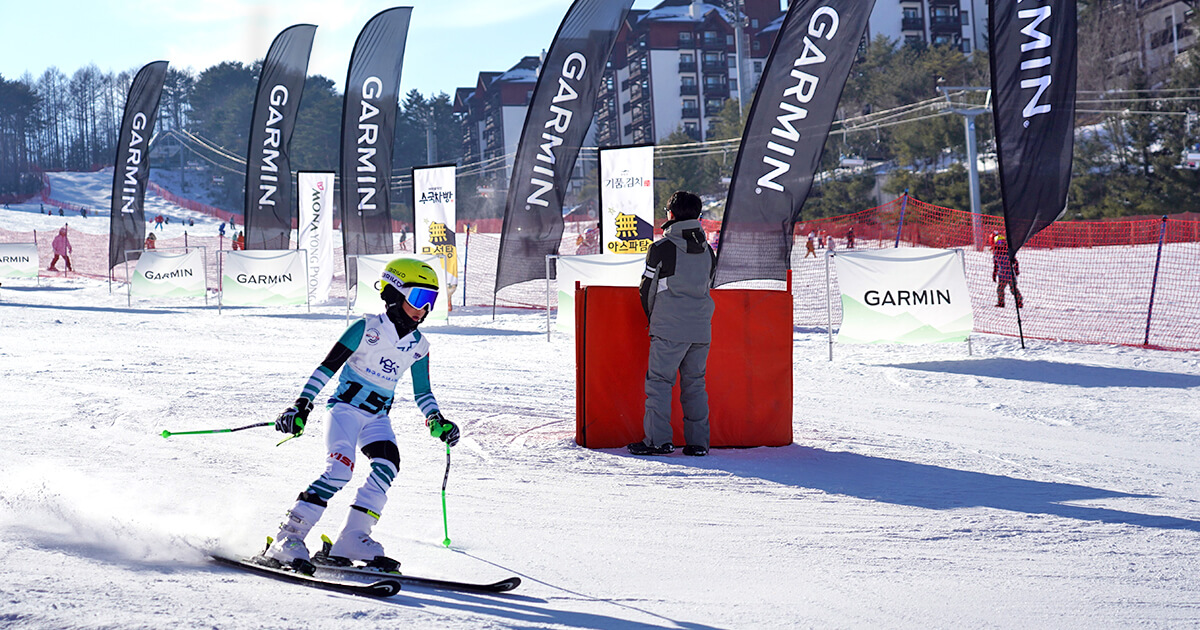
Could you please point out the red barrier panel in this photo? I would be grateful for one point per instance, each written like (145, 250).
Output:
(749, 377)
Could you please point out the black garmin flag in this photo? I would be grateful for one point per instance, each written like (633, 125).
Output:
(127, 225)
(368, 123)
(781, 147)
(559, 115)
(269, 209)
(1033, 88)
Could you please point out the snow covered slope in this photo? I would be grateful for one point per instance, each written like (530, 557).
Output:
(1052, 487)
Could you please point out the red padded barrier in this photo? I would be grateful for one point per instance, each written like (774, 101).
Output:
(749, 377)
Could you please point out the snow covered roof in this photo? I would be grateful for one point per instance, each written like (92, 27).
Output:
(684, 13)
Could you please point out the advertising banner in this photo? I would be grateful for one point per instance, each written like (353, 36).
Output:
(1033, 58)
(127, 221)
(268, 204)
(316, 231)
(171, 275)
(560, 112)
(435, 216)
(626, 200)
(368, 132)
(905, 295)
(18, 260)
(592, 270)
(370, 268)
(789, 120)
(263, 277)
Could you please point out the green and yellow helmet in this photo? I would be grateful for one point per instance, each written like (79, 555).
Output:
(413, 279)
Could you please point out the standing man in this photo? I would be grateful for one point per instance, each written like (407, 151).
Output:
(675, 296)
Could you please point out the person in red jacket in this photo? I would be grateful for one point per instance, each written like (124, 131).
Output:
(62, 247)
(1004, 271)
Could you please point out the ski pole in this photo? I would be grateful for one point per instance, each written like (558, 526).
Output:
(445, 478)
(167, 434)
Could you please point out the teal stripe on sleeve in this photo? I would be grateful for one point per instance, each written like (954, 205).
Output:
(422, 392)
(353, 335)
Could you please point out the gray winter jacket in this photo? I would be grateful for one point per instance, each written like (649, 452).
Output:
(675, 285)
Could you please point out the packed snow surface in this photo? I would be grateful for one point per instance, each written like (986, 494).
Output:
(1054, 486)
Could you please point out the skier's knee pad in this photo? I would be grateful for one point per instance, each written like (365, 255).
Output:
(384, 450)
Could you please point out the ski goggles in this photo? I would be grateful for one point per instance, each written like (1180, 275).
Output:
(419, 297)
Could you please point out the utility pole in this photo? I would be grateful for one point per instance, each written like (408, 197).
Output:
(738, 32)
(969, 113)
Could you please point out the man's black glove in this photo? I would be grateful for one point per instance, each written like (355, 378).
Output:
(293, 418)
(441, 428)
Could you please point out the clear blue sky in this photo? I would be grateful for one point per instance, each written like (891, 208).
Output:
(449, 41)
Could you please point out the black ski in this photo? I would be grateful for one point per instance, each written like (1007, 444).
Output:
(389, 568)
(381, 588)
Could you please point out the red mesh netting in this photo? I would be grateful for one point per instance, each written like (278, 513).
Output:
(1081, 281)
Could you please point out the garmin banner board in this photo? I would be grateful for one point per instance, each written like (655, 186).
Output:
(560, 112)
(171, 275)
(368, 123)
(127, 221)
(785, 133)
(18, 260)
(366, 292)
(268, 167)
(263, 277)
(1033, 60)
(904, 295)
(626, 201)
(315, 192)
(435, 216)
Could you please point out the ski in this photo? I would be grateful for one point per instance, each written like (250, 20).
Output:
(380, 588)
(327, 564)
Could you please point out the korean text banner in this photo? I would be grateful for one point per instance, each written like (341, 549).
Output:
(368, 132)
(268, 165)
(626, 200)
(263, 277)
(127, 223)
(18, 260)
(905, 295)
(171, 275)
(435, 214)
(785, 133)
(370, 268)
(315, 192)
(592, 270)
(560, 112)
(1033, 83)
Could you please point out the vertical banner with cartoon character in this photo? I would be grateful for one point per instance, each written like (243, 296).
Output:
(369, 268)
(315, 192)
(627, 200)
(435, 216)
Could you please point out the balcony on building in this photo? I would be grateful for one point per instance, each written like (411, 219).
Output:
(689, 90)
(945, 23)
(692, 132)
(912, 24)
(690, 112)
(712, 110)
(716, 89)
(715, 66)
(687, 66)
(713, 43)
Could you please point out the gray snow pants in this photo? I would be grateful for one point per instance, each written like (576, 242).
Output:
(689, 360)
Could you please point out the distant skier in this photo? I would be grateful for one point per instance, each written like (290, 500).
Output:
(150, 240)
(372, 355)
(158, 222)
(810, 247)
(1005, 270)
(850, 238)
(62, 247)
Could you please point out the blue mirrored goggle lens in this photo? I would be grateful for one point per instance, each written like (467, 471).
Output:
(420, 297)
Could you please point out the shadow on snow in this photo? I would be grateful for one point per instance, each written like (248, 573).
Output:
(1057, 373)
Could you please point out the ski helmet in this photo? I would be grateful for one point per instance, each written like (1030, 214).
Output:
(413, 279)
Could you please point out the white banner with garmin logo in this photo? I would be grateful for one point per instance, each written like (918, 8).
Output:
(905, 295)
(316, 231)
(18, 260)
(370, 268)
(592, 270)
(263, 277)
(436, 214)
(627, 200)
(172, 275)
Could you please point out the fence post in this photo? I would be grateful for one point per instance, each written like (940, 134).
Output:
(903, 207)
(1154, 282)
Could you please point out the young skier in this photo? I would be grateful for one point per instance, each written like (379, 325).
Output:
(371, 355)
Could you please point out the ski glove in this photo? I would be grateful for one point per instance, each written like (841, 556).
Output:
(441, 428)
(293, 418)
